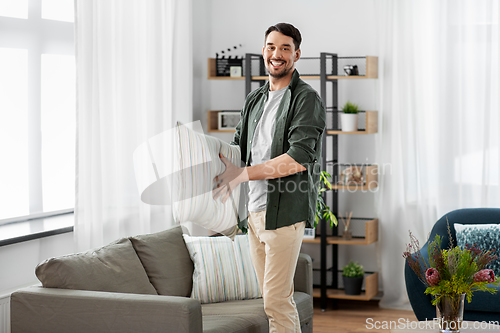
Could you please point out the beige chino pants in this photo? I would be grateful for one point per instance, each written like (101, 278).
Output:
(274, 255)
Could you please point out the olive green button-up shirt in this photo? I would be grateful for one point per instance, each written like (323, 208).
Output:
(298, 131)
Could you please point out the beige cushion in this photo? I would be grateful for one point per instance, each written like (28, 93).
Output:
(223, 269)
(166, 260)
(113, 268)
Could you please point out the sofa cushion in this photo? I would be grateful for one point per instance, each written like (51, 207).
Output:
(166, 260)
(484, 236)
(248, 315)
(198, 162)
(223, 269)
(113, 268)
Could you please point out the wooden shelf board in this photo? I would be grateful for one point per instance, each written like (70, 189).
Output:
(343, 132)
(353, 241)
(350, 77)
(340, 294)
(226, 78)
(304, 77)
(315, 240)
(338, 240)
(221, 131)
(370, 186)
(371, 236)
(317, 77)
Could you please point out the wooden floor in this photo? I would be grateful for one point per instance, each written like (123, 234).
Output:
(356, 316)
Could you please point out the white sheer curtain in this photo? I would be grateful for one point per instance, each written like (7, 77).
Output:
(438, 143)
(134, 80)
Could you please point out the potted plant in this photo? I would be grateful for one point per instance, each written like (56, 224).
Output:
(352, 275)
(322, 210)
(349, 117)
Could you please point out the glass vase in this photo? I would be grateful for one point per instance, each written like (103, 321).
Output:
(450, 313)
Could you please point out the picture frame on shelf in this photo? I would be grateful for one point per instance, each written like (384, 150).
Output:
(228, 120)
(235, 71)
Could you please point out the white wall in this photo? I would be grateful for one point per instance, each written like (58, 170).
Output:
(345, 27)
(17, 266)
(18, 261)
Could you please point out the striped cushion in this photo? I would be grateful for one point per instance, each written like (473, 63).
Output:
(197, 161)
(223, 270)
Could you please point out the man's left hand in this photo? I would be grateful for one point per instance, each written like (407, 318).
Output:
(226, 182)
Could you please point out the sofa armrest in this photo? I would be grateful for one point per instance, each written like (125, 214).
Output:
(40, 310)
(303, 280)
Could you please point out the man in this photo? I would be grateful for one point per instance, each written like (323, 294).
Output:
(279, 135)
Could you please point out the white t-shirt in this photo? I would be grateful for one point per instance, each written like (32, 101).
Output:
(261, 149)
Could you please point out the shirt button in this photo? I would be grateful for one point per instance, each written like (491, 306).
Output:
(255, 120)
(250, 141)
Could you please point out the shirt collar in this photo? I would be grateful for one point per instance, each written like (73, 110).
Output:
(292, 85)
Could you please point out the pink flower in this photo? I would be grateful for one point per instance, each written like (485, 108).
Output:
(432, 276)
(484, 275)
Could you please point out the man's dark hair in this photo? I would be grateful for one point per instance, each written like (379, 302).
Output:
(288, 30)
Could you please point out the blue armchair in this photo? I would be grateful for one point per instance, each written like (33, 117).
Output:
(484, 306)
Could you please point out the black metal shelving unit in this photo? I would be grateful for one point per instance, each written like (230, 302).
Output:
(324, 82)
(328, 75)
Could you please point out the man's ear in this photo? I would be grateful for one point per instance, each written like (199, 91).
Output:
(297, 55)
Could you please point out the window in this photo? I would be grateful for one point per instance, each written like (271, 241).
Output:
(37, 108)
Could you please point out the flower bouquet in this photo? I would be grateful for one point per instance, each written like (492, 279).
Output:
(450, 275)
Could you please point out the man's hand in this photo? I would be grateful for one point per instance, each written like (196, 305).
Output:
(226, 182)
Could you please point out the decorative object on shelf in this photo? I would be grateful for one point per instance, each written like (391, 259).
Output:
(450, 274)
(352, 175)
(228, 120)
(351, 70)
(235, 71)
(322, 210)
(352, 275)
(224, 64)
(349, 117)
(309, 233)
(347, 233)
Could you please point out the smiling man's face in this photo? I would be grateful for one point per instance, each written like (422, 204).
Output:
(280, 55)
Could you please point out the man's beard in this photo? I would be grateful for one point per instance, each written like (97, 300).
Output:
(281, 74)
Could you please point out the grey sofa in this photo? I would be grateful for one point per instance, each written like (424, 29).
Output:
(139, 284)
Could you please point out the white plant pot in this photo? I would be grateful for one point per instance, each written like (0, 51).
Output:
(349, 122)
